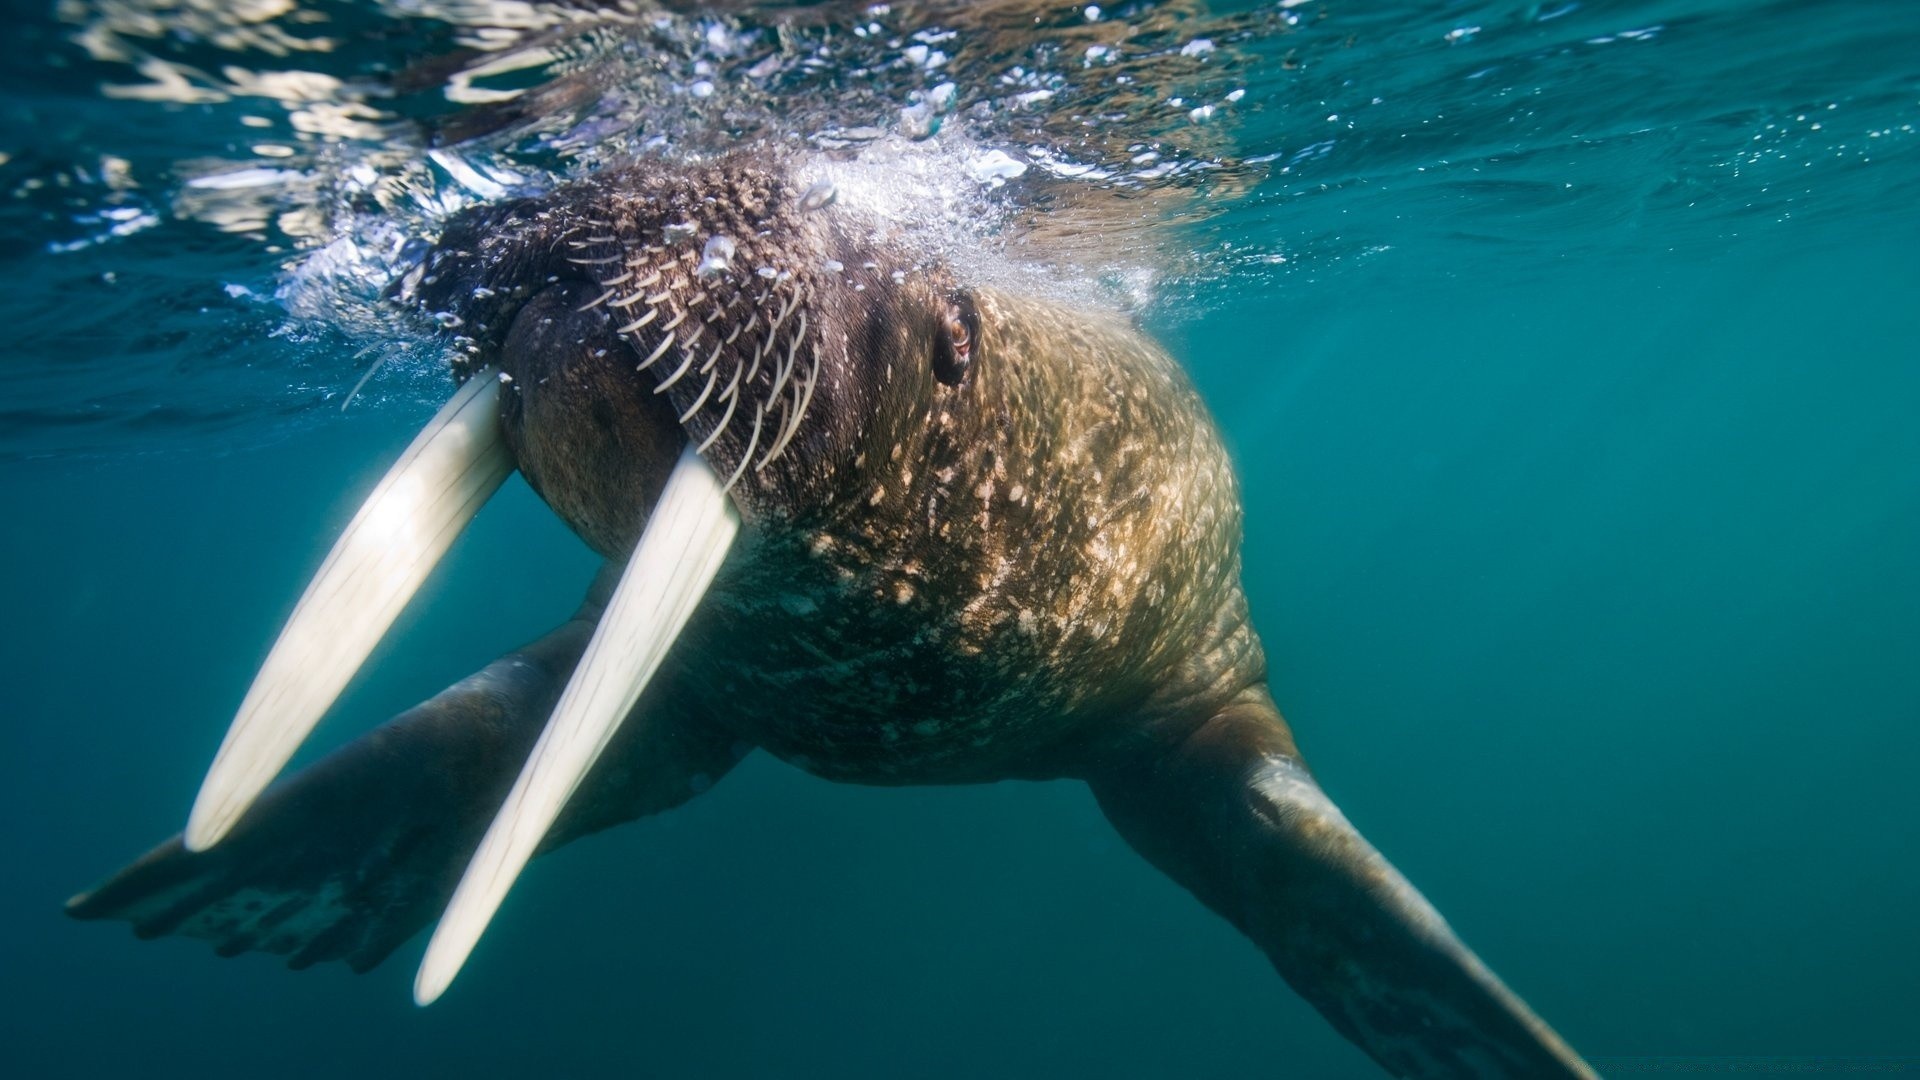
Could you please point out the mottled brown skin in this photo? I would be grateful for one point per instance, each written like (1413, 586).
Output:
(965, 609)
(903, 625)
(986, 537)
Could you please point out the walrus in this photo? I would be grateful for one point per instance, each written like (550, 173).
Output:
(889, 523)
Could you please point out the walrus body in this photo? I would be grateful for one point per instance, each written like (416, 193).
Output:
(984, 537)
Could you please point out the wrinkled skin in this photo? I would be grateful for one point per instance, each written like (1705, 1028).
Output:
(985, 537)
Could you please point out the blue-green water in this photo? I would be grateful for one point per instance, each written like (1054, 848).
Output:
(1575, 393)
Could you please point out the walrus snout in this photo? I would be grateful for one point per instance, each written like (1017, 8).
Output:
(582, 421)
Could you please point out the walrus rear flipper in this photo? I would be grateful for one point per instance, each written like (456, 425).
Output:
(1233, 815)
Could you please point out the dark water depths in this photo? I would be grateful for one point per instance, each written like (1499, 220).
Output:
(1573, 384)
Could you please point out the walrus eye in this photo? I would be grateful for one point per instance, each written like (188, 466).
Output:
(953, 356)
(957, 331)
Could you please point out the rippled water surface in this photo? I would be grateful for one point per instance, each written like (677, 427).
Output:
(1567, 351)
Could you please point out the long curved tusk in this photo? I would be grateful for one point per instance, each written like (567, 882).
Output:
(685, 542)
(450, 470)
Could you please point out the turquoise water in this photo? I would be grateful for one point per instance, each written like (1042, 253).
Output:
(1573, 385)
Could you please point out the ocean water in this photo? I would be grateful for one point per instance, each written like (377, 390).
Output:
(1567, 352)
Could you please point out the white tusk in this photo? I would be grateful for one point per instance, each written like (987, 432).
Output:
(452, 467)
(685, 541)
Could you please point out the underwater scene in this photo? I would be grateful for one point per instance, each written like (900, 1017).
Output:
(1566, 354)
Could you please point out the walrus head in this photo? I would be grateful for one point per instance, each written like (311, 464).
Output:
(731, 307)
(666, 354)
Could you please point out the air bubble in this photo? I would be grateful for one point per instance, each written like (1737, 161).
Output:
(995, 167)
(919, 121)
(819, 194)
(716, 256)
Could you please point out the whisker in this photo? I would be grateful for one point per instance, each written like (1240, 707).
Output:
(658, 351)
(701, 400)
(780, 375)
(597, 301)
(792, 302)
(793, 349)
(759, 354)
(790, 423)
(378, 363)
(677, 372)
(786, 408)
(725, 417)
(759, 413)
(801, 401)
(652, 314)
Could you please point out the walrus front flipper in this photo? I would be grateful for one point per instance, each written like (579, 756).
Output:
(1233, 815)
(350, 857)
(353, 855)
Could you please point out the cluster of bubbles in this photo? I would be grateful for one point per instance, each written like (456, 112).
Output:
(345, 145)
(1132, 152)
